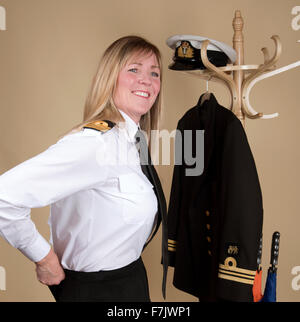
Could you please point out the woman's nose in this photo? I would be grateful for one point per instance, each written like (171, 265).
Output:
(145, 79)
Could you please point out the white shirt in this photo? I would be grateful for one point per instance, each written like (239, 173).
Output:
(102, 205)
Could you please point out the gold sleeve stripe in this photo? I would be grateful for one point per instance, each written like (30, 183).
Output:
(230, 271)
(225, 271)
(237, 270)
(171, 249)
(172, 245)
(236, 279)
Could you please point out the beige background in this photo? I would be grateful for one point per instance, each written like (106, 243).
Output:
(48, 56)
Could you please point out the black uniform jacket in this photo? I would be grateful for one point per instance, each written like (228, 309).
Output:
(215, 218)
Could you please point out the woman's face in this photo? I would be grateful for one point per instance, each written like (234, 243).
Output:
(138, 85)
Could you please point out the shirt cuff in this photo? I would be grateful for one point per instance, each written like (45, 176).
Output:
(37, 250)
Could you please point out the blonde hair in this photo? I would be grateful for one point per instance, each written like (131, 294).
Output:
(99, 104)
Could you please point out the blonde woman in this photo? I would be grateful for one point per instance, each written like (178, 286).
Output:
(104, 209)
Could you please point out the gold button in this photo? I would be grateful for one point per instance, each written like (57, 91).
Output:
(208, 239)
(208, 226)
(209, 252)
(207, 213)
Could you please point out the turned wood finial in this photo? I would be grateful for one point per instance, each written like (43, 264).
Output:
(238, 38)
(238, 46)
(238, 22)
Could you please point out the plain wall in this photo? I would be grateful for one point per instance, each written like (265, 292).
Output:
(49, 54)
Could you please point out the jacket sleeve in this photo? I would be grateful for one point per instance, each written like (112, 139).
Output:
(175, 199)
(64, 168)
(242, 217)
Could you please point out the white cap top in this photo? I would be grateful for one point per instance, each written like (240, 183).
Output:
(196, 41)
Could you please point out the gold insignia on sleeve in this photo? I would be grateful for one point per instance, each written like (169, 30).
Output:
(99, 125)
(230, 271)
(172, 245)
(232, 250)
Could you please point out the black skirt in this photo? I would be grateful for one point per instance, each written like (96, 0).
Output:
(126, 284)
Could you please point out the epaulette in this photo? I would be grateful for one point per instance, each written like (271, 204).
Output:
(102, 126)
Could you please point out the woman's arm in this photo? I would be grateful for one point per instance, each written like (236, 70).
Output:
(64, 168)
(49, 270)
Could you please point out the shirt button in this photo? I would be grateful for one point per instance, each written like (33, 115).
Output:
(207, 213)
(209, 252)
(208, 239)
(208, 226)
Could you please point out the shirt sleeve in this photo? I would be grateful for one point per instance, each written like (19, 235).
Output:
(70, 165)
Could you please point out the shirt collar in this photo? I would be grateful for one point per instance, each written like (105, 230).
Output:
(130, 126)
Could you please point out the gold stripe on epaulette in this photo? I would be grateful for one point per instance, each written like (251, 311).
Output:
(231, 272)
(102, 126)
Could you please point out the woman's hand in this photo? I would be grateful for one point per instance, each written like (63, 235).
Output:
(49, 270)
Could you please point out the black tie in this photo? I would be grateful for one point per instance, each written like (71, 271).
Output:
(150, 172)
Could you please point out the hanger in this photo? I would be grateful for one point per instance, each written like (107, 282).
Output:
(207, 94)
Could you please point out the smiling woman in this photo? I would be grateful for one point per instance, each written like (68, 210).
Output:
(130, 55)
(102, 215)
(138, 86)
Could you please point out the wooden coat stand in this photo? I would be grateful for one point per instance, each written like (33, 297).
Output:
(240, 78)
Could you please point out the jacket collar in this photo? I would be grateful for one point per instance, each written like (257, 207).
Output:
(205, 120)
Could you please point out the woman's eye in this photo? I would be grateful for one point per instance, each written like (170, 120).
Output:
(155, 74)
(134, 70)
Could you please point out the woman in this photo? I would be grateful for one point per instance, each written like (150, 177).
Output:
(102, 208)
